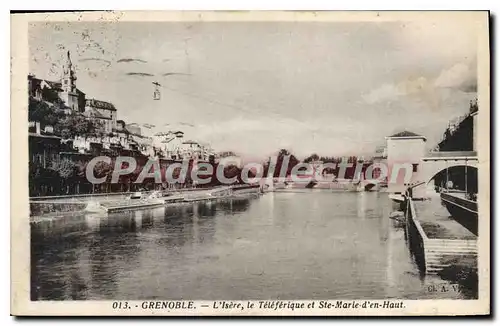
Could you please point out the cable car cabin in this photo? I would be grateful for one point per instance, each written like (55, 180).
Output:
(156, 93)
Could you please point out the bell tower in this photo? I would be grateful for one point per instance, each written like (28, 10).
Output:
(69, 93)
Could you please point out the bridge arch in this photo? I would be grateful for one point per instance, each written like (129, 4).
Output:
(369, 185)
(448, 166)
(461, 177)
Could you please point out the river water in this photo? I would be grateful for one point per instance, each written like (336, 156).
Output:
(305, 244)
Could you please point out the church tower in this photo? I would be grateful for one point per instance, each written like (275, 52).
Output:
(69, 93)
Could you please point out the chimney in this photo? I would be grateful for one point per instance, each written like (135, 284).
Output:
(37, 125)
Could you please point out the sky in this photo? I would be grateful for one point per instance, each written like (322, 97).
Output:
(331, 88)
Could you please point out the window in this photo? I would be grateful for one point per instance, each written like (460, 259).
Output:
(415, 167)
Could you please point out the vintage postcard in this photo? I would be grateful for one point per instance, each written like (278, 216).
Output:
(250, 163)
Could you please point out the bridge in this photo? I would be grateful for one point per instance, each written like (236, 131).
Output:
(435, 162)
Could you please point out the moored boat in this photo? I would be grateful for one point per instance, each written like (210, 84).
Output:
(462, 208)
(397, 197)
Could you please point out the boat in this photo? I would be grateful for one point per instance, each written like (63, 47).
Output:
(246, 189)
(354, 186)
(462, 208)
(134, 205)
(397, 197)
(190, 199)
(136, 195)
(171, 198)
(281, 185)
(461, 199)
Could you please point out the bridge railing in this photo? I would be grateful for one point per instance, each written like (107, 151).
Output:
(409, 190)
(451, 154)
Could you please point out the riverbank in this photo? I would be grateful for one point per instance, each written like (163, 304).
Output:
(113, 202)
(441, 245)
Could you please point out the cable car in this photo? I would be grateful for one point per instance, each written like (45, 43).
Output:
(156, 93)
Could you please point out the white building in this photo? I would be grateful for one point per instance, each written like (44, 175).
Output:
(168, 143)
(405, 151)
(172, 146)
(102, 112)
(134, 128)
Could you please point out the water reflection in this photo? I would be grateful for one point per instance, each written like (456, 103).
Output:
(49, 246)
(313, 244)
(207, 209)
(179, 231)
(361, 205)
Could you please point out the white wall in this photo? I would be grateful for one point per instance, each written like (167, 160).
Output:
(70, 99)
(405, 149)
(402, 151)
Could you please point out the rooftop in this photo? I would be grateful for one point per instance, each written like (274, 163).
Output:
(33, 134)
(191, 142)
(100, 104)
(93, 112)
(54, 85)
(406, 134)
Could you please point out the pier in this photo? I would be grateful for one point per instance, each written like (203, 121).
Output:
(116, 202)
(436, 240)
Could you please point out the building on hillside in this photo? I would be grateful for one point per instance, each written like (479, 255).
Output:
(190, 149)
(67, 96)
(134, 128)
(104, 113)
(207, 152)
(229, 158)
(167, 144)
(461, 133)
(143, 144)
(43, 145)
(63, 92)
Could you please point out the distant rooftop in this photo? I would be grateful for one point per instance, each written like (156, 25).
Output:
(93, 112)
(192, 142)
(100, 104)
(405, 134)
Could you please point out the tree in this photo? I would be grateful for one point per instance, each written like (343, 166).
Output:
(103, 170)
(35, 173)
(65, 169)
(232, 171)
(65, 125)
(50, 95)
(311, 158)
(75, 124)
(292, 162)
(42, 112)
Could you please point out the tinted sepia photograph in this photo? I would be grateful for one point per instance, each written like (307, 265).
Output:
(250, 163)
